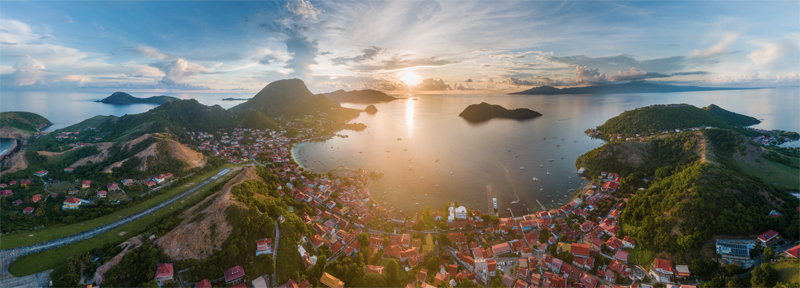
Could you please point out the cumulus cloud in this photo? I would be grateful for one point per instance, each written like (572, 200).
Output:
(74, 78)
(431, 84)
(689, 73)
(303, 9)
(536, 81)
(367, 54)
(27, 71)
(149, 52)
(486, 66)
(294, 23)
(176, 70)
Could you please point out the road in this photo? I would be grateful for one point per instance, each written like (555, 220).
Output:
(273, 277)
(7, 256)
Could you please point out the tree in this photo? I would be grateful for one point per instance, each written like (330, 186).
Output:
(544, 235)
(703, 267)
(764, 276)
(467, 283)
(769, 253)
(497, 283)
(392, 273)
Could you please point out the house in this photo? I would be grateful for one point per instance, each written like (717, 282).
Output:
(17, 202)
(72, 191)
(150, 183)
(793, 252)
(628, 242)
(41, 173)
(491, 267)
(27, 210)
(25, 183)
(461, 212)
(36, 198)
(580, 250)
(609, 186)
(69, 169)
(234, 275)
(160, 179)
(101, 194)
(6, 193)
(373, 269)
(683, 271)
(422, 275)
(768, 238)
(112, 187)
(85, 184)
(736, 251)
(508, 281)
(203, 284)
(164, 272)
(661, 270)
(331, 281)
(376, 242)
(71, 203)
(127, 182)
(502, 248)
(264, 246)
(622, 255)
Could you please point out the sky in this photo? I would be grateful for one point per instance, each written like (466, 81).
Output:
(395, 46)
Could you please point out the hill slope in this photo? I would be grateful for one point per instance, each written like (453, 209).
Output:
(485, 111)
(631, 87)
(291, 98)
(19, 125)
(360, 96)
(125, 98)
(657, 118)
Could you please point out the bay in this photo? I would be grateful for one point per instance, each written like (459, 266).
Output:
(478, 154)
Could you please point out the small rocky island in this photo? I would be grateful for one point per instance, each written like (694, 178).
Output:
(123, 98)
(485, 111)
(371, 109)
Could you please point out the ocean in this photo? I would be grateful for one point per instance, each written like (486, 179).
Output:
(442, 158)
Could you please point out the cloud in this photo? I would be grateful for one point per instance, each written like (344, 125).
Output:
(27, 71)
(149, 52)
(74, 78)
(635, 74)
(178, 69)
(303, 9)
(775, 54)
(469, 80)
(711, 55)
(618, 62)
(690, 73)
(431, 84)
(536, 81)
(268, 57)
(460, 87)
(398, 61)
(367, 54)
(294, 23)
(486, 66)
(67, 20)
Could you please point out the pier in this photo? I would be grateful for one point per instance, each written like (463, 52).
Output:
(540, 205)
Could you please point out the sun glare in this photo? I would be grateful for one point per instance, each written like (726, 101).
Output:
(409, 77)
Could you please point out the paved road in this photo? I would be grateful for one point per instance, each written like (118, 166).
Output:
(274, 277)
(7, 256)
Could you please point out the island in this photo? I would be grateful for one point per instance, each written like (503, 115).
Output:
(360, 96)
(485, 111)
(21, 125)
(122, 98)
(371, 109)
(630, 87)
(235, 99)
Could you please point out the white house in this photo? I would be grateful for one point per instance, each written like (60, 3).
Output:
(461, 212)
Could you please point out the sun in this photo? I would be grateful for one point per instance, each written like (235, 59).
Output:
(409, 77)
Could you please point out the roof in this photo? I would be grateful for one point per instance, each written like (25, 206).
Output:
(163, 270)
(233, 273)
(203, 284)
(374, 269)
(581, 249)
(72, 200)
(767, 235)
(331, 281)
(794, 251)
(662, 264)
(622, 255)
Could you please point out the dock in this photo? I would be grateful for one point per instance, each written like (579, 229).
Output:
(540, 205)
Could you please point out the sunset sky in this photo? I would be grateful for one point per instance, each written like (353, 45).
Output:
(395, 46)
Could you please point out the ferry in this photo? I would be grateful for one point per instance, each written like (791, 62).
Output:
(495, 203)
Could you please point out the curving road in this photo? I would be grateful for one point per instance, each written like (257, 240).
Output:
(9, 255)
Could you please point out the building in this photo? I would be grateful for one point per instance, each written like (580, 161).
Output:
(373, 269)
(203, 284)
(661, 270)
(736, 251)
(71, 203)
(36, 198)
(234, 275)
(127, 182)
(580, 250)
(793, 252)
(112, 187)
(264, 246)
(102, 194)
(331, 281)
(501, 248)
(28, 210)
(41, 173)
(683, 271)
(85, 184)
(164, 272)
(769, 238)
(461, 212)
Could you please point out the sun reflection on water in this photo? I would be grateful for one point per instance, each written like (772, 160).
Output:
(410, 115)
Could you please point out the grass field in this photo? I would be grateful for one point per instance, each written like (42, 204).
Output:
(383, 262)
(788, 271)
(774, 173)
(641, 257)
(50, 233)
(51, 259)
(288, 260)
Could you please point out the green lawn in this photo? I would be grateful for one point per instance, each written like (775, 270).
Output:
(788, 271)
(51, 259)
(383, 262)
(774, 173)
(641, 256)
(50, 233)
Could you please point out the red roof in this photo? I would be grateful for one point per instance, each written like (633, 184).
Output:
(28, 210)
(794, 251)
(86, 182)
(767, 235)
(621, 255)
(203, 284)
(72, 200)
(662, 264)
(240, 285)
(580, 249)
(162, 269)
(234, 273)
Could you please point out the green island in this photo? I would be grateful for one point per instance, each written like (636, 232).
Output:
(122, 98)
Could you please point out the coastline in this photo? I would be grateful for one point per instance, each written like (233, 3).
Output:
(295, 148)
(10, 150)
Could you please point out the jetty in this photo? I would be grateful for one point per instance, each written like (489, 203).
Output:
(540, 205)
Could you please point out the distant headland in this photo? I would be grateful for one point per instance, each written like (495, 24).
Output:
(123, 98)
(631, 87)
(485, 111)
(235, 99)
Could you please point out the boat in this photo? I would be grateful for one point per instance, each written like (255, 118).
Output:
(521, 168)
(562, 157)
(421, 177)
(516, 156)
(409, 168)
(437, 160)
(540, 189)
(405, 149)
(359, 151)
(541, 166)
(544, 138)
(398, 139)
(535, 179)
(549, 196)
(548, 173)
(451, 173)
(558, 145)
(416, 203)
(509, 150)
(495, 203)
(551, 159)
(387, 151)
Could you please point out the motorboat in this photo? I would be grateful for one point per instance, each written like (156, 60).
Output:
(521, 168)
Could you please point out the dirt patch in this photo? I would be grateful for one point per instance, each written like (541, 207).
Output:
(128, 145)
(704, 149)
(186, 154)
(122, 233)
(14, 133)
(131, 244)
(97, 158)
(774, 201)
(15, 163)
(630, 152)
(193, 240)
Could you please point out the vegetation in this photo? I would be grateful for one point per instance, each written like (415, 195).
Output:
(125, 98)
(658, 118)
(25, 121)
(290, 99)
(485, 111)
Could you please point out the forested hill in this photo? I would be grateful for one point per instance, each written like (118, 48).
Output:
(125, 98)
(290, 98)
(695, 190)
(175, 116)
(657, 118)
(360, 96)
(24, 121)
(630, 87)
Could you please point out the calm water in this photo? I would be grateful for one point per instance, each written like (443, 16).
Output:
(5, 144)
(477, 155)
(430, 129)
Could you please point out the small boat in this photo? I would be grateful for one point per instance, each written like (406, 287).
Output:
(405, 149)
(562, 157)
(548, 173)
(558, 145)
(409, 168)
(540, 189)
(437, 160)
(387, 151)
(359, 151)
(451, 173)
(398, 139)
(415, 198)
(509, 150)
(535, 179)
(551, 160)
(548, 196)
(421, 177)
(409, 159)
(541, 166)
(521, 168)
(544, 138)
(437, 185)
(516, 156)
(416, 203)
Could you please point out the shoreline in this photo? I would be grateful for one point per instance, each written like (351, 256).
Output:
(10, 150)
